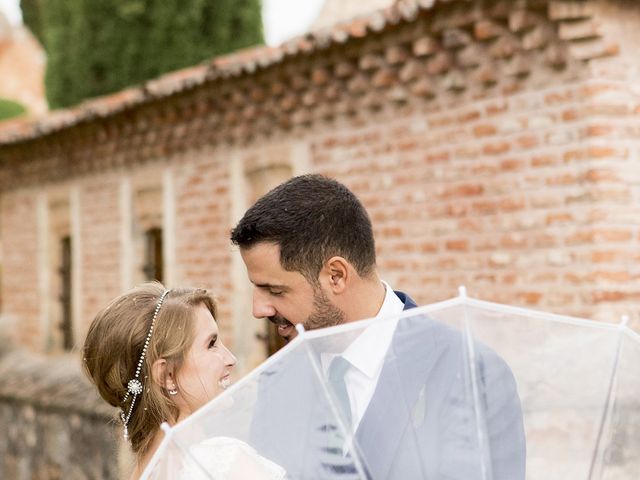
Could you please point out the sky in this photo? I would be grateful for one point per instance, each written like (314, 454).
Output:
(283, 19)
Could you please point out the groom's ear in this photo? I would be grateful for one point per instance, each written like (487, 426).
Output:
(337, 274)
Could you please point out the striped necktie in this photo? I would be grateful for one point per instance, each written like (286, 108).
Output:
(337, 370)
(336, 461)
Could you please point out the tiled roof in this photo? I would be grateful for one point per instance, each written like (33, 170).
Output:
(573, 18)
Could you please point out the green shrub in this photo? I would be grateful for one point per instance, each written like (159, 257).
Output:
(10, 109)
(95, 47)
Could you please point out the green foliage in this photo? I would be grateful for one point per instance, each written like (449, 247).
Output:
(31, 11)
(10, 109)
(96, 47)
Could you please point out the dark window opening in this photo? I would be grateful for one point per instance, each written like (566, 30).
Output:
(66, 324)
(153, 267)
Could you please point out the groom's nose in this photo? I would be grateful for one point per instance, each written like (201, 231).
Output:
(262, 308)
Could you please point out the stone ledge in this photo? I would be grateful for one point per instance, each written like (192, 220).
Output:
(49, 383)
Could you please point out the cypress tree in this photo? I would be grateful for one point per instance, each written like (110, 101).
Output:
(97, 47)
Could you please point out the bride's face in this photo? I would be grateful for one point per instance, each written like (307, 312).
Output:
(207, 366)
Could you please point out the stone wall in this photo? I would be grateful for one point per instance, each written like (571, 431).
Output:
(54, 425)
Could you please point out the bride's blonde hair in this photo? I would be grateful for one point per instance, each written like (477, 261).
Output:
(114, 345)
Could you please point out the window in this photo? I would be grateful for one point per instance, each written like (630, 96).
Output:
(66, 324)
(153, 268)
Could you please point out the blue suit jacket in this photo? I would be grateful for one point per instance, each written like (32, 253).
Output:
(422, 421)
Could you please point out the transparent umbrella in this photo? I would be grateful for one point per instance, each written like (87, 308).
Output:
(462, 389)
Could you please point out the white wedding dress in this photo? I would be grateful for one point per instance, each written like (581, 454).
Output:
(222, 458)
(227, 458)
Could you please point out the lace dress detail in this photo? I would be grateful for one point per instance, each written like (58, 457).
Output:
(225, 458)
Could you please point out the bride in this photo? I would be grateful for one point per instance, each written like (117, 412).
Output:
(156, 354)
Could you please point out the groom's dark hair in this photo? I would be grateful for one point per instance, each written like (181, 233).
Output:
(312, 218)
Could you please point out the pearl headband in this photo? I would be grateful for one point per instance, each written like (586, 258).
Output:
(134, 386)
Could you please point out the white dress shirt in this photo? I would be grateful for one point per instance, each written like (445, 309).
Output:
(366, 355)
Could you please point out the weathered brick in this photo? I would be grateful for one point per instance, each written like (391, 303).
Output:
(570, 10)
(496, 148)
(484, 130)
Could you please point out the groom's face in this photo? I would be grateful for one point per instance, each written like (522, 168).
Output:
(286, 298)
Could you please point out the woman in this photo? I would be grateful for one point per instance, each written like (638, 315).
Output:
(156, 354)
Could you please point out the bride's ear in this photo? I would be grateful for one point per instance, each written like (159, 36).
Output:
(162, 374)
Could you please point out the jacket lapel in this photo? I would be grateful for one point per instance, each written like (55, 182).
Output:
(413, 353)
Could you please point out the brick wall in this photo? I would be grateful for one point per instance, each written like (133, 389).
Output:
(494, 148)
(202, 204)
(521, 198)
(20, 281)
(99, 246)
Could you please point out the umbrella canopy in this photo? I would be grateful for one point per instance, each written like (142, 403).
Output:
(462, 389)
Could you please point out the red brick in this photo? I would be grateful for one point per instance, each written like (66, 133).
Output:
(484, 207)
(511, 165)
(559, 97)
(497, 108)
(511, 204)
(469, 115)
(460, 245)
(438, 157)
(562, 179)
(601, 296)
(570, 115)
(600, 175)
(604, 256)
(513, 240)
(544, 160)
(613, 276)
(612, 235)
(605, 152)
(559, 218)
(598, 130)
(463, 190)
(496, 148)
(484, 130)
(529, 298)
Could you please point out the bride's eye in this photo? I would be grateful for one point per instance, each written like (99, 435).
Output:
(212, 342)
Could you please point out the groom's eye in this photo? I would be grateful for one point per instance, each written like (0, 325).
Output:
(276, 293)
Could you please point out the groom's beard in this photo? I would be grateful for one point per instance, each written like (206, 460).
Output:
(324, 314)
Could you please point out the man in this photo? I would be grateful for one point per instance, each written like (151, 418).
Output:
(403, 393)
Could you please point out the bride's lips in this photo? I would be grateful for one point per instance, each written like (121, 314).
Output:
(225, 381)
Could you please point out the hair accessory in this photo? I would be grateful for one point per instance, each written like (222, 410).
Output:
(134, 386)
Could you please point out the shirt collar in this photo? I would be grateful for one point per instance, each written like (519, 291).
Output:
(368, 351)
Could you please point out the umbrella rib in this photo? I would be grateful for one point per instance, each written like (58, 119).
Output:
(479, 417)
(608, 407)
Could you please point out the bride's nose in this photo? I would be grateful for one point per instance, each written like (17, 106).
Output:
(229, 358)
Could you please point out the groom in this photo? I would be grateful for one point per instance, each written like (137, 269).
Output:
(309, 250)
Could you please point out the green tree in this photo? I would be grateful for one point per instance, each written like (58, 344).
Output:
(96, 47)
(10, 109)
(31, 10)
